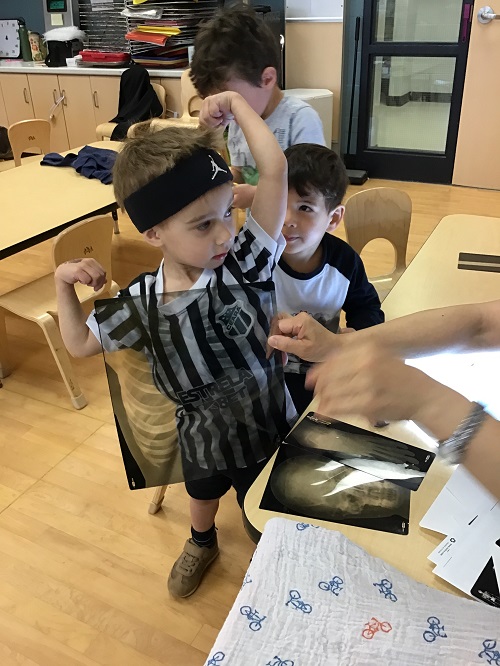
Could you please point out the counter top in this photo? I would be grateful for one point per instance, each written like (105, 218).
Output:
(21, 67)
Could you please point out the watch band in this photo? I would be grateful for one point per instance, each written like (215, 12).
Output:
(452, 450)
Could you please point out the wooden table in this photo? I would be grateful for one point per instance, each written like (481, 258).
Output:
(433, 279)
(36, 203)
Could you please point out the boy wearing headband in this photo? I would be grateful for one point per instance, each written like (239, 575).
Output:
(202, 319)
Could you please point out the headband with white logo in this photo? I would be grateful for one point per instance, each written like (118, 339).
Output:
(175, 189)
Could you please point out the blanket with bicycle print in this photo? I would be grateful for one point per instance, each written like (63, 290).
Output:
(311, 597)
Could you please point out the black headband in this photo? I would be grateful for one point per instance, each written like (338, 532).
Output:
(175, 189)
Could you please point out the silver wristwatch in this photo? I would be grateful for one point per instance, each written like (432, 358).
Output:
(452, 450)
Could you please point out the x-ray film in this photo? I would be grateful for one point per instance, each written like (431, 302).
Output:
(306, 483)
(366, 451)
(194, 389)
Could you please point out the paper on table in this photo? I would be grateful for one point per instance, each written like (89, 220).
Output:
(473, 566)
(461, 500)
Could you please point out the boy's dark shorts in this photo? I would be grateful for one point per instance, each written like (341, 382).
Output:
(216, 486)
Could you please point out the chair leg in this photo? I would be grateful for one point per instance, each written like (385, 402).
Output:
(114, 215)
(4, 351)
(56, 344)
(157, 499)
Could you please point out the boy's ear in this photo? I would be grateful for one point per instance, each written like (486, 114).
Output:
(152, 237)
(336, 218)
(269, 77)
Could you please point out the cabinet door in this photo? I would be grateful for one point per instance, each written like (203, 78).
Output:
(45, 93)
(78, 109)
(17, 98)
(173, 88)
(3, 112)
(105, 93)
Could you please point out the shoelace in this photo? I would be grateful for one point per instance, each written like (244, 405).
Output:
(188, 564)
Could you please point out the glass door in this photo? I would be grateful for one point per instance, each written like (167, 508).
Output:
(413, 60)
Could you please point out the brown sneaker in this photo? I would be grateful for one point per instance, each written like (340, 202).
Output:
(189, 568)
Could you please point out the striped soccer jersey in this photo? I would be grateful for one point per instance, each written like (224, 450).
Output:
(207, 352)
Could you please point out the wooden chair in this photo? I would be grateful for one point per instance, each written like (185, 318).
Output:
(29, 134)
(190, 103)
(37, 302)
(381, 212)
(105, 130)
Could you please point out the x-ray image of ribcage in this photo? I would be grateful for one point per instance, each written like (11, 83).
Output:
(193, 390)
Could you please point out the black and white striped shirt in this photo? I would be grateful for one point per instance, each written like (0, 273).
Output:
(207, 351)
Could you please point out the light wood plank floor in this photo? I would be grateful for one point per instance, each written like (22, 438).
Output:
(82, 564)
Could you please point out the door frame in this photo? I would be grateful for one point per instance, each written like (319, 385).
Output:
(407, 164)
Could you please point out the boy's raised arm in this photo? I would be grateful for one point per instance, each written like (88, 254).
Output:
(269, 204)
(78, 338)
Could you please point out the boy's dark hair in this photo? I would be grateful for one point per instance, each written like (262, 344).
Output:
(314, 168)
(235, 42)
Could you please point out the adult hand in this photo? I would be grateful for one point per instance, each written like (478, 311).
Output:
(365, 379)
(303, 336)
(243, 195)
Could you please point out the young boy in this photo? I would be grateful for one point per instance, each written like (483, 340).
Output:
(207, 344)
(318, 272)
(236, 50)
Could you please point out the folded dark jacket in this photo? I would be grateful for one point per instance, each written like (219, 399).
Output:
(89, 162)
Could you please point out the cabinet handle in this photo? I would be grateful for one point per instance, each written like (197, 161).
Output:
(64, 101)
(54, 96)
(96, 100)
(26, 96)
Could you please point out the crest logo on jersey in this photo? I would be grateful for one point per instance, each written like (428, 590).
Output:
(235, 320)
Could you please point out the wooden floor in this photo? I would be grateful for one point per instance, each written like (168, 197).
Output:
(83, 565)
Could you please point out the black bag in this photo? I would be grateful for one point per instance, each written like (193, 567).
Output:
(5, 147)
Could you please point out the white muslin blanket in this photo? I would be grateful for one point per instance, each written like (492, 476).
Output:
(311, 597)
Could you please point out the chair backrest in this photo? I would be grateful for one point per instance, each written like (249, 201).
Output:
(380, 212)
(190, 99)
(88, 238)
(29, 134)
(162, 96)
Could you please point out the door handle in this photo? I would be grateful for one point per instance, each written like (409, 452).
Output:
(26, 96)
(486, 15)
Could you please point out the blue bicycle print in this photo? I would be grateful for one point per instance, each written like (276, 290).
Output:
(489, 652)
(246, 580)
(256, 620)
(385, 588)
(277, 661)
(216, 659)
(296, 602)
(435, 630)
(334, 586)
(303, 526)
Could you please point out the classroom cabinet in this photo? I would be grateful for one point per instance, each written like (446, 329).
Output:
(73, 103)
(4, 122)
(105, 93)
(78, 109)
(17, 97)
(48, 104)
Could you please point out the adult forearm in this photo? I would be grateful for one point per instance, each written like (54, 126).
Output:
(442, 412)
(432, 331)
